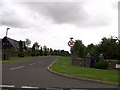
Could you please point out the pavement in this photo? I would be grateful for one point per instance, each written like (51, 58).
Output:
(34, 73)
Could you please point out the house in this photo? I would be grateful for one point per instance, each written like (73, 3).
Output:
(10, 48)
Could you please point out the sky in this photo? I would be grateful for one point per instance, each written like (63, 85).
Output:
(53, 22)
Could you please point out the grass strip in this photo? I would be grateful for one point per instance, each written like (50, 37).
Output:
(63, 65)
(14, 59)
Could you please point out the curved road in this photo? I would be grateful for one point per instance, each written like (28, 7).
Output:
(34, 73)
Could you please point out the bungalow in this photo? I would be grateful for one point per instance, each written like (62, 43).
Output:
(9, 48)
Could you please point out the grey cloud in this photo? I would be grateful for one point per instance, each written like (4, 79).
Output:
(62, 12)
(9, 17)
(68, 12)
(58, 12)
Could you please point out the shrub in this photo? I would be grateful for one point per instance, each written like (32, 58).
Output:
(102, 65)
(33, 53)
(21, 54)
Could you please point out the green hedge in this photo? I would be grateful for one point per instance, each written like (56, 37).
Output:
(102, 65)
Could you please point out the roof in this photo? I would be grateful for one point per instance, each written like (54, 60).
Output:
(14, 43)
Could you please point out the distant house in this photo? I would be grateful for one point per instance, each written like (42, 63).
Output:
(10, 48)
(10, 43)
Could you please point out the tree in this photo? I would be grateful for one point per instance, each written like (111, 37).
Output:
(27, 42)
(33, 53)
(64, 53)
(109, 48)
(93, 49)
(36, 45)
(21, 49)
(56, 52)
(35, 49)
(79, 48)
(41, 52)
(51, 51)
(45, 50)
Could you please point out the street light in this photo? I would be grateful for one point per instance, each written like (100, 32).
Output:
(6, 46)
(7, 31)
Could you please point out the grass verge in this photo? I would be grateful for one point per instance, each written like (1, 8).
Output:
(14, 59)
(63, 65)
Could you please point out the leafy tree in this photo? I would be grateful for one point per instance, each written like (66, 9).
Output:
(27, 42)
(33, 53)
(56, 52)
(51, 51)
(35, 49)
(41, 52)
(109, 48)
(36, 45)
(93, 50)
(21, 49)
(48, 51)
(64, 53)
(45, 50)
(79, 48)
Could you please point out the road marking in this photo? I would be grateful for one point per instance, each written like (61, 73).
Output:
(6, 85)
(16, 68)
(28, 87)
(11, 68)
(32, 64)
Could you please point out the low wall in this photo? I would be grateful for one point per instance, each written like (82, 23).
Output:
(112, 63)
(82, 62)
(85, 62)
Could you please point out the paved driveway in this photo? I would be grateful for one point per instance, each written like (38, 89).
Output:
(34, 73)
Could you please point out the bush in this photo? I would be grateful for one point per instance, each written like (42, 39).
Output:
(33, 54)
(102, 65)
(20, 54)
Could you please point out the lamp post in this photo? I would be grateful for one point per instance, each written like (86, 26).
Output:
(6, 56)
(7, 31)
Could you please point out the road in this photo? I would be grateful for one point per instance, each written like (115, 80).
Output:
(34, 73)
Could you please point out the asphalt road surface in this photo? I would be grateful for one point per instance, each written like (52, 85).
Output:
(34, 73)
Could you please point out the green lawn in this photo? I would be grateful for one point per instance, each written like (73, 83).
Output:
(14, 59)
(63, 65)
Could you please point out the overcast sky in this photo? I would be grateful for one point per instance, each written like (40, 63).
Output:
(53, 23)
